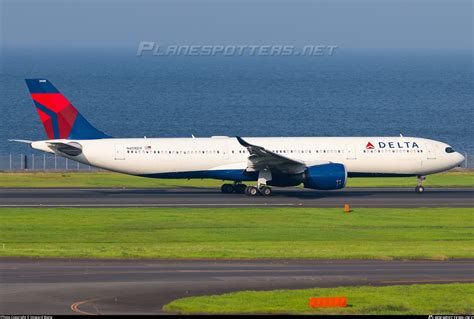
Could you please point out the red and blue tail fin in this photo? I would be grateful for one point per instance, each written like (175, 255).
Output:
(60, 119)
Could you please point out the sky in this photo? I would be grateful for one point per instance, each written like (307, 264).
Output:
(412, 24)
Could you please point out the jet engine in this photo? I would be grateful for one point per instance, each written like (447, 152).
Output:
(325, 176)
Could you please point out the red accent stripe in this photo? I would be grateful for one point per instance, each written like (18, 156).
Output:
(53, 101)
(66, 120)
(47, 123)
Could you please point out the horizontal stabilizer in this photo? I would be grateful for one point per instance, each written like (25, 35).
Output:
(21, 141)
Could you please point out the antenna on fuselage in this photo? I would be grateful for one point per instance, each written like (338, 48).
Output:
(192, 135)
(401, 135)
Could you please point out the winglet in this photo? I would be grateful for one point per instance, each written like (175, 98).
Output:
(243, 142)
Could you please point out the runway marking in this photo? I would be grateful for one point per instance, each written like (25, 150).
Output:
(242, 271)
(307, 205)
(216, 190)
(146, 205)
(424, 281)
(74, 307)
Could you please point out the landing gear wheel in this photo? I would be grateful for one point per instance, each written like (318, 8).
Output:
(240, 188)
(227, 188)
(251, 191)
(419, 189)
(265, 191)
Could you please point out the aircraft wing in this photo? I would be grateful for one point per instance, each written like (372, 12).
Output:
(261, 158)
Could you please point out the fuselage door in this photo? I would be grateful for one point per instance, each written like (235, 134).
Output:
(430, 151)
(225, 152)
(119, 152)
(350, 152)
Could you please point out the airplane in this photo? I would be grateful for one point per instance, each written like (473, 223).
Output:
(320, 163)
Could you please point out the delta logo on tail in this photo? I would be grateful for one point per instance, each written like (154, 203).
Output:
(56, 113)
(60, 119)
(369, 146)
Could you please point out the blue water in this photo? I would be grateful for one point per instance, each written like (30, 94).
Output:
(427, 94)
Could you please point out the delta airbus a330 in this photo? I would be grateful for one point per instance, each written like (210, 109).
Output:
(322, 163)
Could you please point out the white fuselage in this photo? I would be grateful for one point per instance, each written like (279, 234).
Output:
(187, 157)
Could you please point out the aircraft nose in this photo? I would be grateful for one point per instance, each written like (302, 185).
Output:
(460, 159)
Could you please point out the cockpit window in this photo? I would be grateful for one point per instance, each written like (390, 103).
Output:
(449, 150)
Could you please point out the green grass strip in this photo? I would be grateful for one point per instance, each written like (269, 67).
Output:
(389, 300)
(115, 180)
(219, 233)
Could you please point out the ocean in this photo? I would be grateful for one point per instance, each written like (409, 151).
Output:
(352, 93)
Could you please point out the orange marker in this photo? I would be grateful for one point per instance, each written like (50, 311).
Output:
(327, 302)
(347, 208)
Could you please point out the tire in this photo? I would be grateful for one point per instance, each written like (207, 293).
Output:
(227, 188)
(240, 188)
(266, 191)
(251, 191)
(419, 189)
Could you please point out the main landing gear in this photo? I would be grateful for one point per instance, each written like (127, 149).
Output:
(247, 190)
(255, 191)
(419, 188)
(234, 188)
(261, 189)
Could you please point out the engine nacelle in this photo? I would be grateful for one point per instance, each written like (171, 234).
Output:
(325, 176)
(284, 180)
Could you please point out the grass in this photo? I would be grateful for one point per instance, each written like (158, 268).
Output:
(96, 179)
(115, 180)
(220, 233)
(396, 300)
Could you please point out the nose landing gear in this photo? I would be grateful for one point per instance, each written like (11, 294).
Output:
(419, 188)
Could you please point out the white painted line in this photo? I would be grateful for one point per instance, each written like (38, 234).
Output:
(143, 205)
(309, 205)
